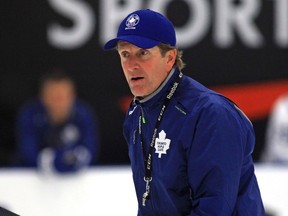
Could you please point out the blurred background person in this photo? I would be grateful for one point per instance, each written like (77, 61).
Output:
(276, 148)
(57, 131)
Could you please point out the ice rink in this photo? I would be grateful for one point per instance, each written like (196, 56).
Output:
(106, 190)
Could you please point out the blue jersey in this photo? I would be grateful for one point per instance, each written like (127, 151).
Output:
(202, 163)
(74, 142)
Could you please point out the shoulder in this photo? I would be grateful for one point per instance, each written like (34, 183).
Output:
(199, 100)
(193, 95)
(81, 105)
(280, 109)
(82, 108)
(282, 102)
(32, 106)
(32, 114)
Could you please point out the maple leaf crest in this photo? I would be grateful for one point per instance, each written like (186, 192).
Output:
(162, 144)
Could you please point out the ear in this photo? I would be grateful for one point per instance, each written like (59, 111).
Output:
(171, 58)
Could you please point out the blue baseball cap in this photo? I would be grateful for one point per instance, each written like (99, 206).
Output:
(145, 29)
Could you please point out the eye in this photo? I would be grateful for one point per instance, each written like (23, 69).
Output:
(124, 54)
(143, 52)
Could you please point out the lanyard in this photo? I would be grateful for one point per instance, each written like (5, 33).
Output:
(148, 160)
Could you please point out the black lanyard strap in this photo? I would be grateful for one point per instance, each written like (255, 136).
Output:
(148, 161)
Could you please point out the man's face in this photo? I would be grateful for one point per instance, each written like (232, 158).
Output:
(58, 97)
(144, 69)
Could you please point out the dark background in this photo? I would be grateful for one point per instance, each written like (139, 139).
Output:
(26, 54)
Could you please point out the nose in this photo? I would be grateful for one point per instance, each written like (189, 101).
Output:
(132, 63)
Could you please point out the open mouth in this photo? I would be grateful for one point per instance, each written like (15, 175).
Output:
(136, 78)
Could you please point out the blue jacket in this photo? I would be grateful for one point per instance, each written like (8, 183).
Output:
(208, 167)
(36, 133)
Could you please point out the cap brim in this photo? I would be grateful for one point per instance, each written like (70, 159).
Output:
(142, 42)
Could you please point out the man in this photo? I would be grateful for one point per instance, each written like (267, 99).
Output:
(57, 131)
(276, 149)
(190, 148)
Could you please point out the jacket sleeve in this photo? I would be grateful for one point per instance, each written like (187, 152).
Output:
(218, 156)
(26, 138)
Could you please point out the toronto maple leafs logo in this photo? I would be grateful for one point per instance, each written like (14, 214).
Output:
(162, 144)
(132, 21)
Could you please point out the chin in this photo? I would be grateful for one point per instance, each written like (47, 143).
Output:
(138, 93)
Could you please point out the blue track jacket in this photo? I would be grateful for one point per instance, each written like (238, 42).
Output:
(206, 166)
(36, 133)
